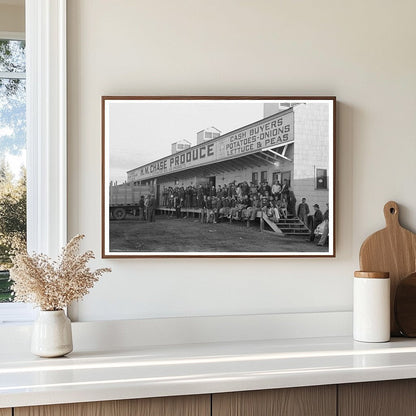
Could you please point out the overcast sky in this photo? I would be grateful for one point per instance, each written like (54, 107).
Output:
(141, 132)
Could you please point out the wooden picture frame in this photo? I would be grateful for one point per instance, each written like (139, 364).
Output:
(205, 176)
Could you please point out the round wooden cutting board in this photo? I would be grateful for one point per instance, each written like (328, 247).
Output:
(393, 250)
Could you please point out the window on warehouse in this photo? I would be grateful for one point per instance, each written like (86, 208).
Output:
(321, 179)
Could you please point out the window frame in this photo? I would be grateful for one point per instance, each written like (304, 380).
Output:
(46, 137)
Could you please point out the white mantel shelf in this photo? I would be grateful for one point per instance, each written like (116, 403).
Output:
(151, 371)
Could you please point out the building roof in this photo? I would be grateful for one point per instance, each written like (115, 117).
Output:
(209, 129)
(260, 137)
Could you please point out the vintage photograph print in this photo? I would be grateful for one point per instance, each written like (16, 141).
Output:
(218, 176)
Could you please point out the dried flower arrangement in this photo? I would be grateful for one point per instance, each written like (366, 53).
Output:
(53, 285)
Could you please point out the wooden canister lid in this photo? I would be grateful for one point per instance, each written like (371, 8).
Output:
(372, 275)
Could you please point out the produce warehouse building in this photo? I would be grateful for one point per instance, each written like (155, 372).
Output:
(291, 143)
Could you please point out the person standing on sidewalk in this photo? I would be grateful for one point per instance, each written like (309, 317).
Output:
(303, 211)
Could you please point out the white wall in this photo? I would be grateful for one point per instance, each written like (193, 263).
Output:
(361, 51)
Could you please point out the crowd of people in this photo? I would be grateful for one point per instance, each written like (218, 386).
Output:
(243, 201)
(230, 195)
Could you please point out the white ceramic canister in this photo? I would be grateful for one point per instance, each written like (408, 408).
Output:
(371, 310)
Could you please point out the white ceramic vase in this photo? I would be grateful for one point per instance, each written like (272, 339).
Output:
(52, 334)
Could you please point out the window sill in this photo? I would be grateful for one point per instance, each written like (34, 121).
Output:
(16, 313)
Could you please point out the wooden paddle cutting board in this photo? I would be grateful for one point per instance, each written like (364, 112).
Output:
(393, 250)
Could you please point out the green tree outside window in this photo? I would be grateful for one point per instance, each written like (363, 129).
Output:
(12, 151)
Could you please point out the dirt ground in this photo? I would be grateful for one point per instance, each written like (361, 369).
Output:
(188, 234)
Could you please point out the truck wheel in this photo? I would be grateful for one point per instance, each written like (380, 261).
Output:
(119, 213)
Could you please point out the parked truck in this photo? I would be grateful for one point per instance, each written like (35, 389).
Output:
(124, 199)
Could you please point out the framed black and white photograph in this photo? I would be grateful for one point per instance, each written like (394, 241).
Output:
(218, 176)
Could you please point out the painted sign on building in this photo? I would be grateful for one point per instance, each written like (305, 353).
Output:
(273, 131)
